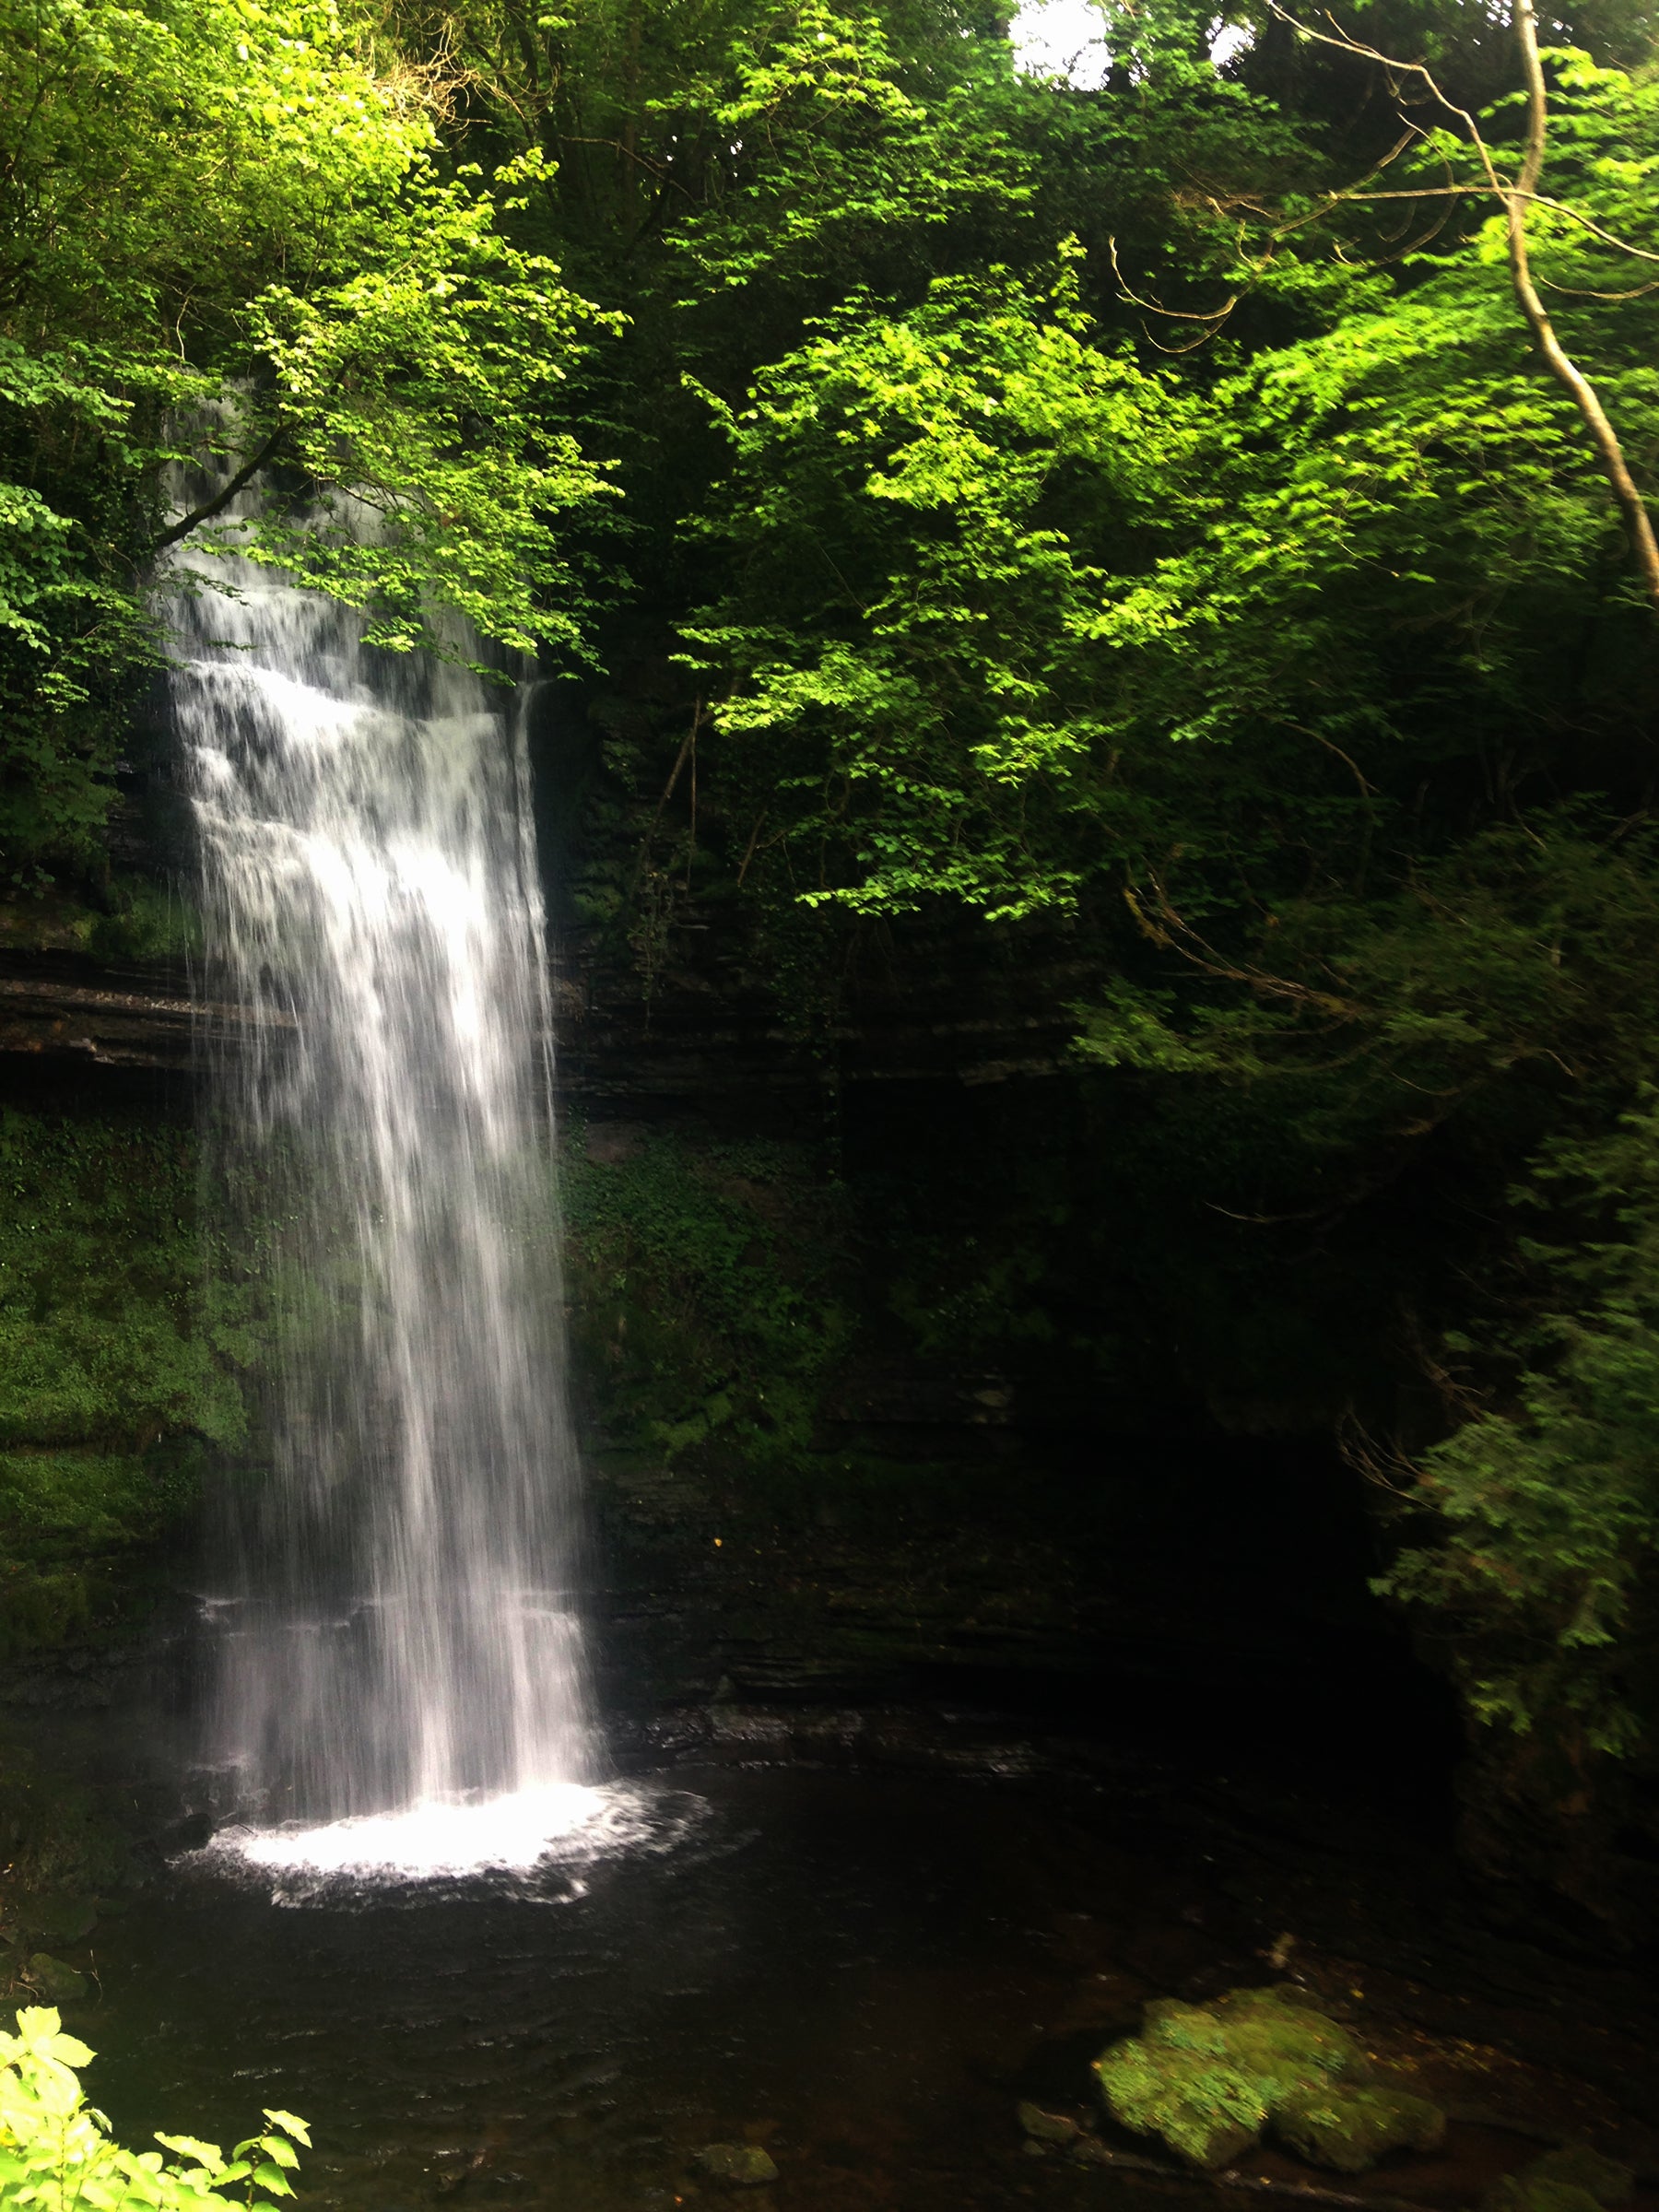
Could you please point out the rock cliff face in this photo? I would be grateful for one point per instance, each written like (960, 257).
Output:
(895, 1379)
(867, 1412)
(71, 1011)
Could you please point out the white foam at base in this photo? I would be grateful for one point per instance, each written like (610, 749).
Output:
(511, 1834)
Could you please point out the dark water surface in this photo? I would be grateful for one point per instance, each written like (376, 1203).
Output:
(850, 1970)
(856, 1939)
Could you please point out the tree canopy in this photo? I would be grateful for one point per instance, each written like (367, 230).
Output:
(1151, 514)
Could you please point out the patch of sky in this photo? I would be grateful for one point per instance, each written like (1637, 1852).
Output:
(1066, 40)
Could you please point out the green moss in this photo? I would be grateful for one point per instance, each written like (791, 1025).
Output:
(1350, 2129)
(67, 1520)
(1609, 2183)
(118, 1366)
(106, 1335)
(739, 2165)
(1525, 2192)
(1282, 2046)
(135, 920)
(704, 1293)
(1206, 2078)
(1204, 2108)
(56, 1841)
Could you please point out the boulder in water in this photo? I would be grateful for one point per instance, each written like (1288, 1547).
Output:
(1207, 2110)
(1048, 2127)
(1351, 2128)
(1569, 2179)
(739, 2165)
(1205, 2078)
(58, 1983)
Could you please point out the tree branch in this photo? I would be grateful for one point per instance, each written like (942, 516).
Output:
(1632, 507)
(1639, 524)
(222, 497)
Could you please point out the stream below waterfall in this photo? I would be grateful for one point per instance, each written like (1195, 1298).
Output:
(858, 1940)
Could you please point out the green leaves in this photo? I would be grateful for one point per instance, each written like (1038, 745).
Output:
(229, 195)
(422, 387)
(925, 619)
(57, 2153)
(833, 151)
(1548, 1510)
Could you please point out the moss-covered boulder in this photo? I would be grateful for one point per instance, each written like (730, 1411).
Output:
(1570, 2180)
(738, 2165)
(1204, 2110)
(1351, 2127)
(55, 1980)
(1282, 2044)
(1607, 2180)
(1205, 2078)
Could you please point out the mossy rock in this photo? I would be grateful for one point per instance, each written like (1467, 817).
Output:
(739, 2165)
(1048, 2127)
(1569, 2179)
(1206, 2077)
(1351, 2128)
(1608, 2182)
(57, 1982)
(1284, 2047)
(60, 1918)
(1204, 2110)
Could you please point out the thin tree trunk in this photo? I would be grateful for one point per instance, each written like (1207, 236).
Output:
(1639, 525)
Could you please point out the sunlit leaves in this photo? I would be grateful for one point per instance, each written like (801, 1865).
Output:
(57, 2153)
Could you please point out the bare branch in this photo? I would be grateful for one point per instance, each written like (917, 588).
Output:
(1502, 191)
(221, 499)
(1173, 314)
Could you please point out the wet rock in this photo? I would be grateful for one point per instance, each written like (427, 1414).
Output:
(739, 2165)
(52, 1978)
(1204, 2110)
(1570, 2180)
(1524, 2192)
(1206, 2077)
(62, 1919)
(1048, 2127)
(1088, 2150)
(1350, 2129)
(1608, 2182)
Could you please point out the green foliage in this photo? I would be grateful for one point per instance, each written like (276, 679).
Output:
(422, 384)
(214, 198)
(835, 153)
(58, 2154)
(105, 1338)
(1206, 2078)
(118, 1367)
(705, 1297)
(1302, 675)
(1549, 1509)
(926, 628)
(1087, 515)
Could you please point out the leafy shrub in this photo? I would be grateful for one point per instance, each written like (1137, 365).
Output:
(1546, 1504)
(704, 1300)
(119, 1364)
(57, 2153)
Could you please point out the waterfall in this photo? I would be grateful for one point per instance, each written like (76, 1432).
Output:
(397, 1631)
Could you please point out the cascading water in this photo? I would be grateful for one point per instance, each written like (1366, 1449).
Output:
(399, 1636)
